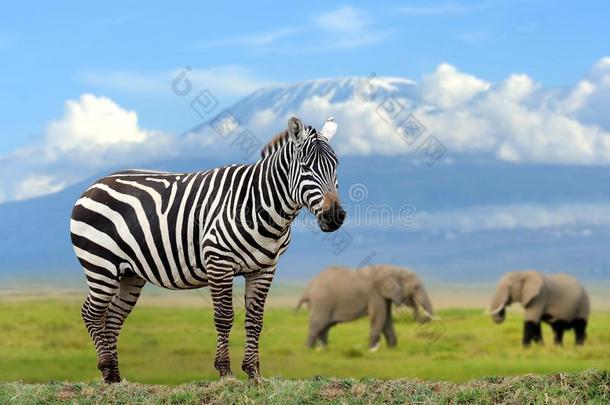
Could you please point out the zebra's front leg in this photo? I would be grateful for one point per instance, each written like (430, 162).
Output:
(257, 287)
(221, 288)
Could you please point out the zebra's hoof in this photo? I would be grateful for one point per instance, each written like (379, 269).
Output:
(110, 371)
(226, 374)
(111, 376)
(253, 375)
(255, 379)
(253, 370)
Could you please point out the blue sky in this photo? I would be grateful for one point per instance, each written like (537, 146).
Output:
(127, 51)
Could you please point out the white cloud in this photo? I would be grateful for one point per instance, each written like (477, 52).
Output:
(37, 185)
(93, 134)
(229, 80)
(342, 28)
(515, 120)
(346, 27)
(364, 130)
(93, 122)
(524, 216)
(232, 80)
(447, 87)
(345, 20)
(517, 87)
(255, 39)
(589, 99)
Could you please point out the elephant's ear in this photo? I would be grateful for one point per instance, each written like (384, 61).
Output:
(391, 289)
(532, 284)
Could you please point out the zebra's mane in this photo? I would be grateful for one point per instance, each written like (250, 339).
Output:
(275, 143)
(280, 140)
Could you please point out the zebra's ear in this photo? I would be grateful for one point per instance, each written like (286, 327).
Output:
(330, 128)
(296, 130)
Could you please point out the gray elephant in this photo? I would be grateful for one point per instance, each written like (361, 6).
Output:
(557, 299)
(341, 295)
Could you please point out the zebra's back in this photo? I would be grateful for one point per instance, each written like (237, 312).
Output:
(143, 222)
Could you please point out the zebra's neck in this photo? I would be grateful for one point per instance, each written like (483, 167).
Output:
(276, 204)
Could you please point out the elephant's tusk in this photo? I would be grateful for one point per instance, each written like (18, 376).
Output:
(428, 314)
(495, 311)
(374, 348)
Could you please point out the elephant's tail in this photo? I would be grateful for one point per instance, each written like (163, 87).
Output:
(304, 299)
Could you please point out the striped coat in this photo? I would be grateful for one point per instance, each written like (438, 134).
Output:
(189, 230)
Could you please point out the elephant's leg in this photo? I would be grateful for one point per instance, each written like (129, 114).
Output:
(323, 336)
(558, 328)
(312, 337)
(388, 328)
(317, 324)
(580, 330)
(378, 320)
(257, 288)
(221, 288)
(538, 334)
(529, 331)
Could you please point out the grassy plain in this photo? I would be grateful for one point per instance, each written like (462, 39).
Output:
(44, 340)
(591, 387)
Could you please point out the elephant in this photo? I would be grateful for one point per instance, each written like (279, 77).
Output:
(339, 294)
(557, 299)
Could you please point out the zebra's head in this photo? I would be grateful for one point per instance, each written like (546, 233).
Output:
(313, 172)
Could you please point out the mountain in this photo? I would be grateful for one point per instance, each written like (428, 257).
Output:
(35, 238)
(463, 217)
(284, 100)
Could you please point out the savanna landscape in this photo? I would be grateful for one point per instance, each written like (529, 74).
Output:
(411, 196)
(168, 343)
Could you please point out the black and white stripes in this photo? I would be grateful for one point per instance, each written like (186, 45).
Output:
(189, 230)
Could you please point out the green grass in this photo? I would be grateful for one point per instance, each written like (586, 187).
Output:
(45, 340)
(585, 387)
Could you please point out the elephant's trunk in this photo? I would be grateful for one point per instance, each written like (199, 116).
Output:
(424, 304)
(498, 304)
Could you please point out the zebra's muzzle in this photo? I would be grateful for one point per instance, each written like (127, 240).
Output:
(331, 219)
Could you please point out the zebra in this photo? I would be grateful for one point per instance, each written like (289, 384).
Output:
(190, 230)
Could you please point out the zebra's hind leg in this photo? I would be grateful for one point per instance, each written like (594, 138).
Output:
(94, 313)
(221, 288)
(119, 309)
(257, 288)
